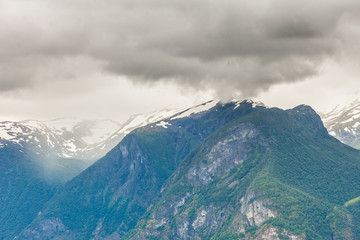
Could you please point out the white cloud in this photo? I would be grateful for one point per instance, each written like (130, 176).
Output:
(113, 58)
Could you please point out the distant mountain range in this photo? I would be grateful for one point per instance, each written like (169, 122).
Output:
(343, 122)
(236, 170)
(38, 157)
(86, 140)
(65, 147)
(66, 138)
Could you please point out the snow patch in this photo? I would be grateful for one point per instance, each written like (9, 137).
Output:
(197, 109)
(142, 120)
(163, 124)
(5, 135)
(253, 104)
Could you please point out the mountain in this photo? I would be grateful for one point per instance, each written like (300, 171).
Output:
(31, 169)
(36, 158)
(64, 147)
(343, 122)
(80, 139)
(23, 189)
(227, 171)
(72, 138)
(65, 138)
(271, 174)
(120, 186)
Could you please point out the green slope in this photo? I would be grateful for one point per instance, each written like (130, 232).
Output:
(294, 172)
(23, 192)
(228, 173)
(108, 198)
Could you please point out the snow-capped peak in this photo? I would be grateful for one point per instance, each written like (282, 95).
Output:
(61, 137)
(249, 101)
(141, 120)
(197, 109)
(343, 122)
(86, 139)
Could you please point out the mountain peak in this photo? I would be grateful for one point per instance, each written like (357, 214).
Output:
(196, 109)
(244, 170)
(303, 108)
(344, 123)
(247, 101)
(307, 115)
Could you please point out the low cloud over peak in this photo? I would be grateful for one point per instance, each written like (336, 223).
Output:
(232, 47)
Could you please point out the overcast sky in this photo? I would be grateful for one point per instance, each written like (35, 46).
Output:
(115, 58)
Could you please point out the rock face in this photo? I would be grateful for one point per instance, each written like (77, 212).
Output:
(226, 154)
(272, 233)
(218, 158)
(255, 210)
(47, 229)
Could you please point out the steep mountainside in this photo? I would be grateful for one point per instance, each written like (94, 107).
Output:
(344, 123)
(272, 174)
(23, 189)
(109, 197)
(38, 157)
(232, 171)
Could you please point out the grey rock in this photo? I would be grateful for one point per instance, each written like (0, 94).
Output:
(226, 154)
(256, 211)
(47, 229)
(272, 233)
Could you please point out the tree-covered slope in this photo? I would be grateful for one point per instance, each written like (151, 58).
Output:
(271, 174)
(23, 189)
(236, 171)
(108, 198)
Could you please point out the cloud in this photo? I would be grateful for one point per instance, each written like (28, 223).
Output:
(233, 47)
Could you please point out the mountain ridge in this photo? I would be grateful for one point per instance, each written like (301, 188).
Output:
(344, 123)
(225, 173)
(140, 160)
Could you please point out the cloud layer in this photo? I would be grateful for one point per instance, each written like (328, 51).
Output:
(230, 46)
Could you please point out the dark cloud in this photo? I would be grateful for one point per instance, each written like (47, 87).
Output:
(231, 46)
